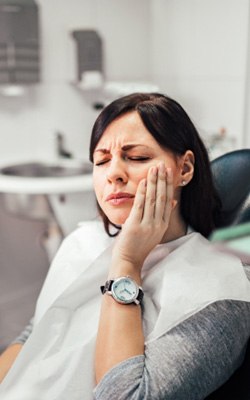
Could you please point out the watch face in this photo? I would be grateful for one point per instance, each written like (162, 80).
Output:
(125, 290)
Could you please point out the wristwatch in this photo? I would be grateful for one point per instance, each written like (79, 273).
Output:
(124, 290)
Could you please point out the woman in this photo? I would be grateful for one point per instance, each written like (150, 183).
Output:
(171, 323)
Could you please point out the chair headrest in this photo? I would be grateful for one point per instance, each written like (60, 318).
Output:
(231, 173)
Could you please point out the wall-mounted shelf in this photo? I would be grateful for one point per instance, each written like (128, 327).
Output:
(108, 91)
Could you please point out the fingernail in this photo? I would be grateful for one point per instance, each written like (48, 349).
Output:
(162, 168)
(154, 171)
(174, 203)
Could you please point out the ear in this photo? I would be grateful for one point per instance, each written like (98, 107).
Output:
(186, 168)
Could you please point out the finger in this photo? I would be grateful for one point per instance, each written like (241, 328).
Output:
(149, 207)
(170, 195)
(161, 192)
(137, 210)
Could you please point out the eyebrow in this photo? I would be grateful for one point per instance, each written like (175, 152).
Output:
(124, 148)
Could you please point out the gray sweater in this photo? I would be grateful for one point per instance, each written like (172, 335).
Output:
(187, 363)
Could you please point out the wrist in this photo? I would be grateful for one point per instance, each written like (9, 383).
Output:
(120, 268)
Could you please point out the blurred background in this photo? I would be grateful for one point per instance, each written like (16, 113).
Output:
(60, 63)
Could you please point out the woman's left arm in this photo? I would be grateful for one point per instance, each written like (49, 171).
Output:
(120, 334)
(189, 362)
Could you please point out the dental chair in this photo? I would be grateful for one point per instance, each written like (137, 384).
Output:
(231, 174)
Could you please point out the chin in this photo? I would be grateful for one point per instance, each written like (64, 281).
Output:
(118, 221)
(118, 218)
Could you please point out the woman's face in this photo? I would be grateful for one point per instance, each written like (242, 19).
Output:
(122, 158)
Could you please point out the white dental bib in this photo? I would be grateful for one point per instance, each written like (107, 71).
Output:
(179, 279)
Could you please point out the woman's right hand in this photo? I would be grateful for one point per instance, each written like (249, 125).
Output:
(147, 222)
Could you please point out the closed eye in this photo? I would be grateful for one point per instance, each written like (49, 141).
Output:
(98, 163)
(139, 158)
(135, 158)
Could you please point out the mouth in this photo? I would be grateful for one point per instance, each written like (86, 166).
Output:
(119, 198)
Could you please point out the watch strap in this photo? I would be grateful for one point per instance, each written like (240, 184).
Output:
(140, 295)
(107, 287)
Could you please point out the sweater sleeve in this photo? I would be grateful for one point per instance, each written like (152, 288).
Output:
(188, 362)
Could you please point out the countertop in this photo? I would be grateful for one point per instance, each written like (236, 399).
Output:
(48, 185)
(45, 185)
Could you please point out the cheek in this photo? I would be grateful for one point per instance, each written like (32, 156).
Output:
(139, 174)
(139, 171)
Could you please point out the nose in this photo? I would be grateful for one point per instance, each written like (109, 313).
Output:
(117, 171)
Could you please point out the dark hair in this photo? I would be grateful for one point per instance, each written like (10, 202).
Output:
(172, 128)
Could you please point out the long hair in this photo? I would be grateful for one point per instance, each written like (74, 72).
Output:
(172, 128)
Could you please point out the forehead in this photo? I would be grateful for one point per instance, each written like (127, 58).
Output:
(127, 128)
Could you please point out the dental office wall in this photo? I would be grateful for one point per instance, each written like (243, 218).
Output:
(28, 123)
(196, 51)
(199, 56)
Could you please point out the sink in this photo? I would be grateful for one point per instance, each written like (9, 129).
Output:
(25, 186)
(47, 170)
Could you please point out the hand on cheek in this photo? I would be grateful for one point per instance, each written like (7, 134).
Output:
(149, 217)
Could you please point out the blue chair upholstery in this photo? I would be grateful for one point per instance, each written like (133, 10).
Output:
(231, 174)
